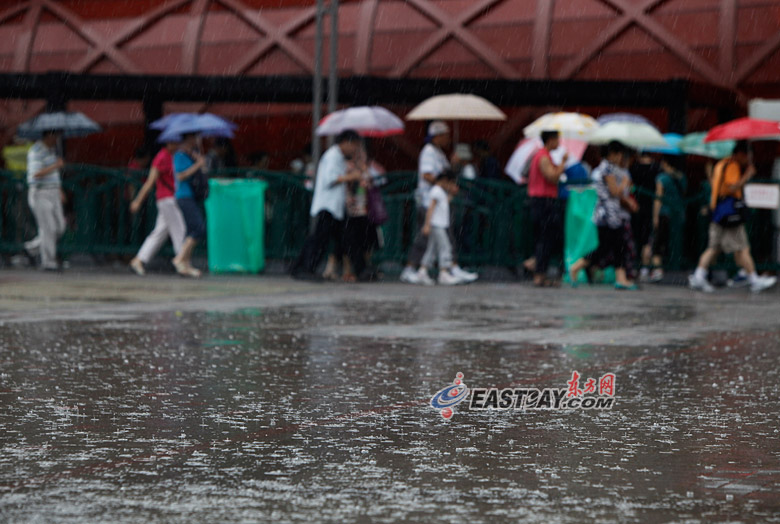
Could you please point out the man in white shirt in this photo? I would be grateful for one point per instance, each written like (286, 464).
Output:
(328, 204)
(432, 163)
(45, 199)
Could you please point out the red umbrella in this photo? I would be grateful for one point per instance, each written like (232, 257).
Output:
(744, 129)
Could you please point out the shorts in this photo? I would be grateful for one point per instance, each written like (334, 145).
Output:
(728, 239)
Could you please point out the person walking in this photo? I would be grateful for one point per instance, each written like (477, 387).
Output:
(611, 216)
(670, 189)
(433, 161)
(170, 221)
(189, 163)
(436, 229)
(546, 210)
(644, 172)
(329, 203)
(45, 197)
(727, 229)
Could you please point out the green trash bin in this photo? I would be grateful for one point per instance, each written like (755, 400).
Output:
(581, 236)
(235, 212)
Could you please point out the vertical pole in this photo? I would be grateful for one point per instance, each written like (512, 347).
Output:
(333, 61)
(153, 110)
(317, 98)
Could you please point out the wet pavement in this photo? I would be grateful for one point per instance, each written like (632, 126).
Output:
(259, 399)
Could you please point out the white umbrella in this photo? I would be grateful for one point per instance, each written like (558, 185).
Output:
(374, 122)
(456, 107)
(623, 117)
(631, 134)
(570, 125)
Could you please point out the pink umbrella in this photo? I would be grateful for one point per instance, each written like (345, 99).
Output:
(744, 129)
(374, 122)
(528, 146)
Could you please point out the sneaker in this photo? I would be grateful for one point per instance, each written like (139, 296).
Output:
(657, 275)
(700, 284)
(463, 275)
(138, 267)
(424, 278)
(762, 283)
(409, 276)
(739, 280)
(447, 278)
(644, 275)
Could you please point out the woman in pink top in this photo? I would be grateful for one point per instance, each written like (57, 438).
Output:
(546, 210)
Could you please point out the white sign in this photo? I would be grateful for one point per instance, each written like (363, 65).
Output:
(762, 196)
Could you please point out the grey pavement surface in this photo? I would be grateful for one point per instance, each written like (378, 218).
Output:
(259, 399)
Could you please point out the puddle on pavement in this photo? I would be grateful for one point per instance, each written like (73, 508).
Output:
(248, 416)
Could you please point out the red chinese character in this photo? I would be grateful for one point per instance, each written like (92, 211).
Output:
(574, 385)
(607, 385)
(590, 386)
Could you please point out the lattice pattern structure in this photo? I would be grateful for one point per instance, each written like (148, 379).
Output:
(730, 43)
(726, 42)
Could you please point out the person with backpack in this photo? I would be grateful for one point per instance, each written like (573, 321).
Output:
(170, 222)
(189, 166)
(727, 228)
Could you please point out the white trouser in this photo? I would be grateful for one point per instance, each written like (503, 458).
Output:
(438, 247)
(170, 222)
(46, 206)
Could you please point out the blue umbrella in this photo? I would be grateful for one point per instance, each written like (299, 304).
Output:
(674, 145)
(206, 124)
(70, 124)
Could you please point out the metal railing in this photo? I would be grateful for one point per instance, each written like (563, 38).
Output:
(491, 219)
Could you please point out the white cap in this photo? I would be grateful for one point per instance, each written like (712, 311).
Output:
(438, 128)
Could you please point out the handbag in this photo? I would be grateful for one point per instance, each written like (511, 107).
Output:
(377, 212)
(199, 183)
(730, 212)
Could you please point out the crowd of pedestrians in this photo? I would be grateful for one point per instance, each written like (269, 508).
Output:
(637, 208)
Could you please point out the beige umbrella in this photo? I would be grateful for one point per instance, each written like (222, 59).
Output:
(456, 107)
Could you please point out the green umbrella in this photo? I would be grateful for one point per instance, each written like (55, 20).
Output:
(693, 144)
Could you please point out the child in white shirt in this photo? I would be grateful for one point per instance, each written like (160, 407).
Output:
(437, 222)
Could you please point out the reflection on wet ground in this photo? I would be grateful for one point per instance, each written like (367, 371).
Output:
(314, 406)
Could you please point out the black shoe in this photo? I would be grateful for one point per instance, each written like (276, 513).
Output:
(32, 259)
(307, 276)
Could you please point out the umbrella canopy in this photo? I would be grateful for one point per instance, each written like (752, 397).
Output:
(71, 124)
(623, 117)
(529, 146)
(693, 144)
(456, 107)
(187, 123)
(744, 129)
(374, 122)
(673, 139)
(630, 134)
(571, 125)
(173, 118)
